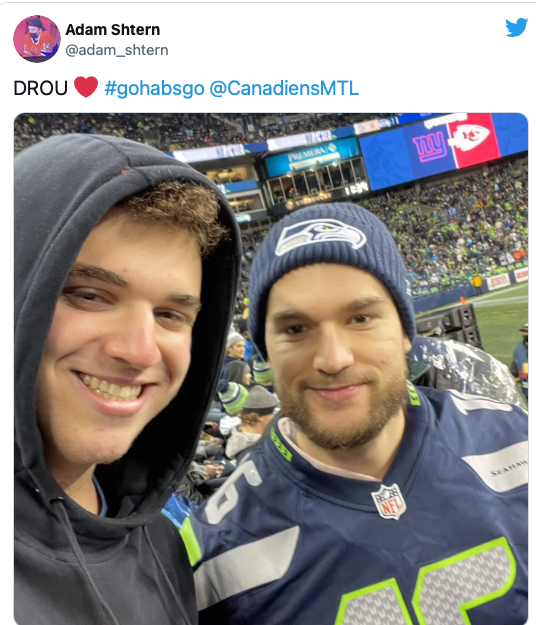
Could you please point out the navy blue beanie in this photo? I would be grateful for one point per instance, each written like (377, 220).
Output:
(340, 233)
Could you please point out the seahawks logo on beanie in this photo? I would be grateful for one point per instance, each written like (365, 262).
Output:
(318, 231)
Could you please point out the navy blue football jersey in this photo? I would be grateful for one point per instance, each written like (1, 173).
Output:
(442, 540)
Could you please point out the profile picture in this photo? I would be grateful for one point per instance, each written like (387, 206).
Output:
(37, 38)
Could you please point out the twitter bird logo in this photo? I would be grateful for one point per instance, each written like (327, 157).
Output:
(516, 29)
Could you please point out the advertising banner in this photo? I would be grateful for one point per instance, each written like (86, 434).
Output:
(498, 282)
(521, 275)
(314, 156)
(293, 141)
(238, 187)
(199, 155)
(372, 125)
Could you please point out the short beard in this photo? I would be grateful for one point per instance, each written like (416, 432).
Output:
(385, 405)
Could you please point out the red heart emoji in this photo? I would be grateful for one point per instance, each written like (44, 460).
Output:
(85, 86)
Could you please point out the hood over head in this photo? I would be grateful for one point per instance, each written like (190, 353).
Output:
(63, 187)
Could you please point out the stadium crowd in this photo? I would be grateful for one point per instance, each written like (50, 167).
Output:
(449, 231)
(171, 131)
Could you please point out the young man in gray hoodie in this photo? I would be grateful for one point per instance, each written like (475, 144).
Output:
(126, 268)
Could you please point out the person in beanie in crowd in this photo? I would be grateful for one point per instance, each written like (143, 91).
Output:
(235, 349)
(239, 372)
(520, 366)
(233, 397)
(125, 278)
(263, 374)
(255, 416)
(371, 499)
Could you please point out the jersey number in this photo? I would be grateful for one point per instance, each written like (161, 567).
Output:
(444, 592)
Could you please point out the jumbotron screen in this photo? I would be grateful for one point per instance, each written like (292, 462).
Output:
(441, 144)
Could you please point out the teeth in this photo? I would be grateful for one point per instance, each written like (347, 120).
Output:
(111, 391)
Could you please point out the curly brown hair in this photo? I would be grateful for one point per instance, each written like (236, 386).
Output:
(251, 418)
(180, 205)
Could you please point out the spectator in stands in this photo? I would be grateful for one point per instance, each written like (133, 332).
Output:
(193, 486)
(520, 366)
(236, 348)
(242, 326)
(263, 374)
(110, 322)
(238, 371)
(255, 417)
(233, 399)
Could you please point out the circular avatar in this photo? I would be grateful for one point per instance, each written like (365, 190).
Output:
(36, 38)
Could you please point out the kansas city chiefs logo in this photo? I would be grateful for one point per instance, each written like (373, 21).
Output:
(468, 136)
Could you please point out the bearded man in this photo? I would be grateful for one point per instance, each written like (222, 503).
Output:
(371, 501)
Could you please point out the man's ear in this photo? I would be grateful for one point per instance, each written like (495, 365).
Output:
(407, 344)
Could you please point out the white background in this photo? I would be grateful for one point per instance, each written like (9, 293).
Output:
(401, 57)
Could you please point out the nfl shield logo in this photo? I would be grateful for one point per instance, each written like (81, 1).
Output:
(389, 502)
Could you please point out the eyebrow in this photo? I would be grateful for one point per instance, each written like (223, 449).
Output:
(105, 275)
(294, 313)
(185, 300)
(97, 273)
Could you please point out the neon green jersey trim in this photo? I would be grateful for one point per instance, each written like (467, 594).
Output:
(462, 556)
(414, 398)
(285, 452)
(190, 542)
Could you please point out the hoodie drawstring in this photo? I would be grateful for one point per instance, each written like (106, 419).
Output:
(166, 577)
(66, 523)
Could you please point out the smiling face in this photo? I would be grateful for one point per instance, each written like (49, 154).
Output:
(119, 345)
(337, 350)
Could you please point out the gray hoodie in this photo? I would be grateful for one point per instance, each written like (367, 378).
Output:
(71, 566)
(238, 441)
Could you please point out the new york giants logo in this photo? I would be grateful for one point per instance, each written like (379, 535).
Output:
(430, 147)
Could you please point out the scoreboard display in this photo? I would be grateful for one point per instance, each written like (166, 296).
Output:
(441, 144)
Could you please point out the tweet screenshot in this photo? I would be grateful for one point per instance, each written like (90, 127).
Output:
(271, 318)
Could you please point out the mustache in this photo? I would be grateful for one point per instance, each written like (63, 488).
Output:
(336, 381)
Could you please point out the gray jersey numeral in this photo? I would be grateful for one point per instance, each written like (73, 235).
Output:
(445, 590)
(226, 498)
